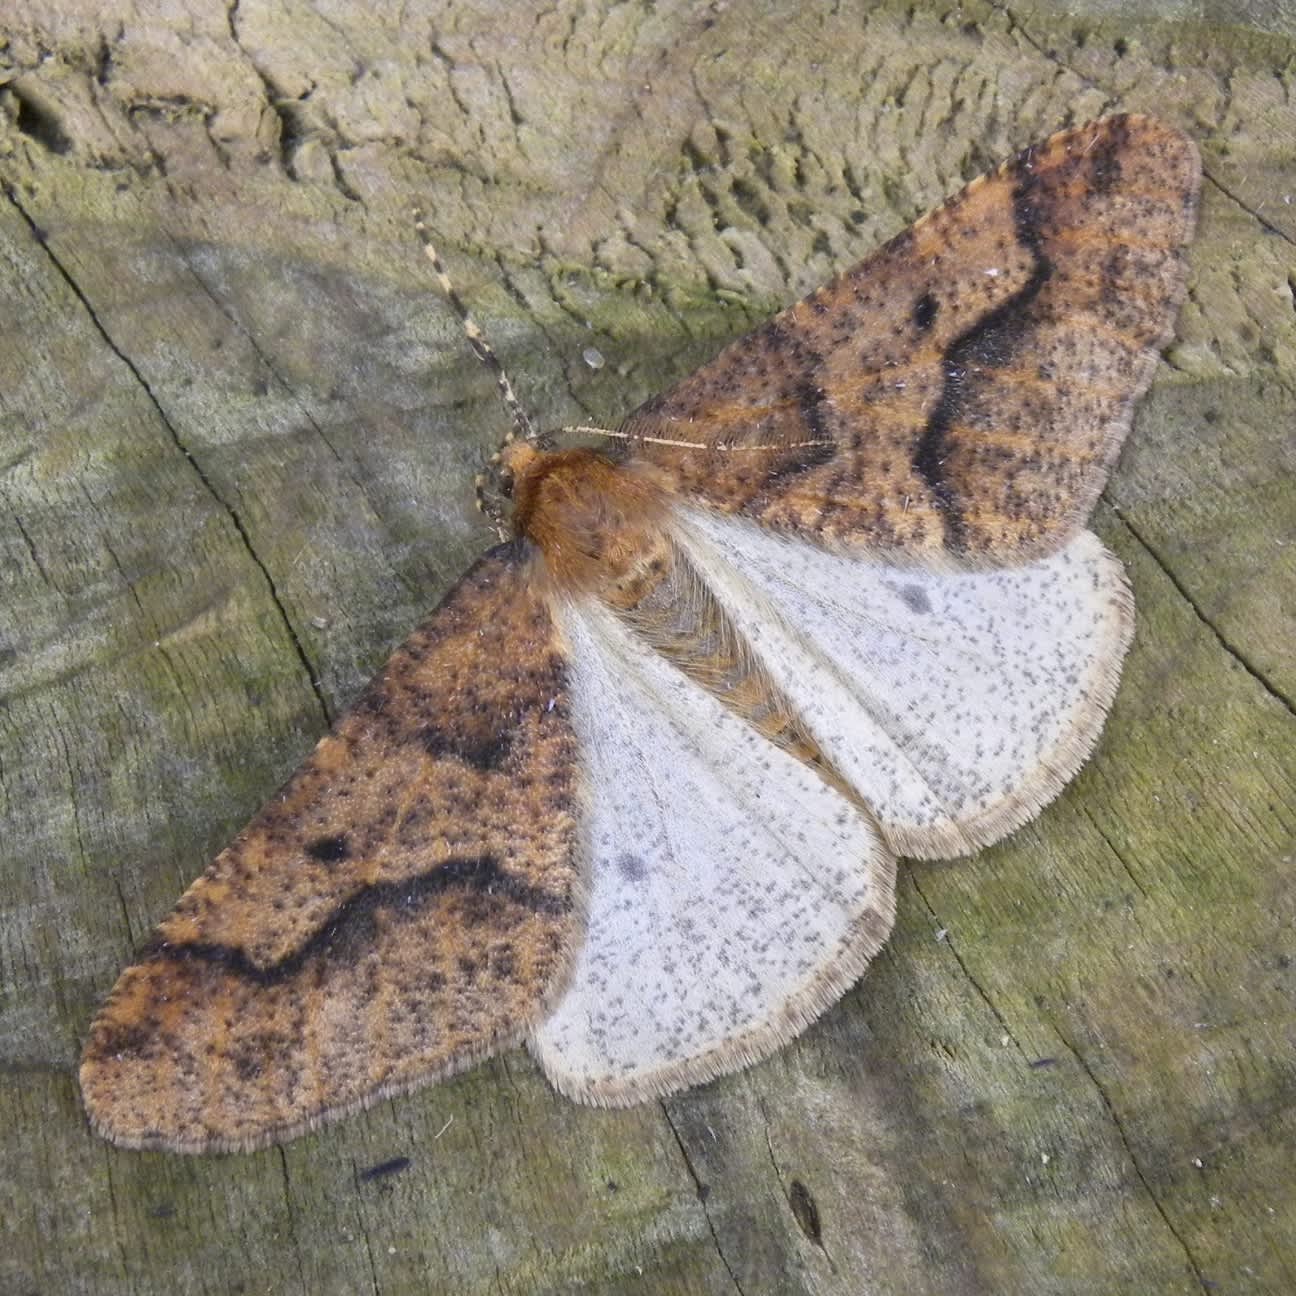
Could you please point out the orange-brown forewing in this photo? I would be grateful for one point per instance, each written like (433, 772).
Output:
(408, 903)
(963, 392)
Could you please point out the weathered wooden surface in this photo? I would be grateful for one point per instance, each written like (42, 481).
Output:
(238, 431)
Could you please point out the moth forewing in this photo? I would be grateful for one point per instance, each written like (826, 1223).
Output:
(407, 904)
(961, 394)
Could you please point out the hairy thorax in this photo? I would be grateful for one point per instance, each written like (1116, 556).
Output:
(603, 531)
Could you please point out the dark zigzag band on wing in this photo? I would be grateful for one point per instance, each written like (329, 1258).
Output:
(820, 448)
(990, 343)
(481, 876)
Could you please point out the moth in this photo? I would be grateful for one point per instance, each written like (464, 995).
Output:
(634, 792)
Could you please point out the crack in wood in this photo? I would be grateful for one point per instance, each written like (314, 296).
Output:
(963, 967)
(1202, 1281)
(703, 1191)
(1268, 226)
(229, 510)
(1181, 589)
(1115, 850)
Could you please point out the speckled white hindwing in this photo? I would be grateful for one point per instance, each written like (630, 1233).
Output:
(955, 703)
(734, 894)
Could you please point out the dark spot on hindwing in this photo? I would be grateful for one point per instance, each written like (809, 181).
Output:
(631, 867)
(915, 599)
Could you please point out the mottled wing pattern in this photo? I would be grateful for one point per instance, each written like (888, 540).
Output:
(963, 392)
(409, 902)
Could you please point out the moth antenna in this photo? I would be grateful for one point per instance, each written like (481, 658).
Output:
(490, 486)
